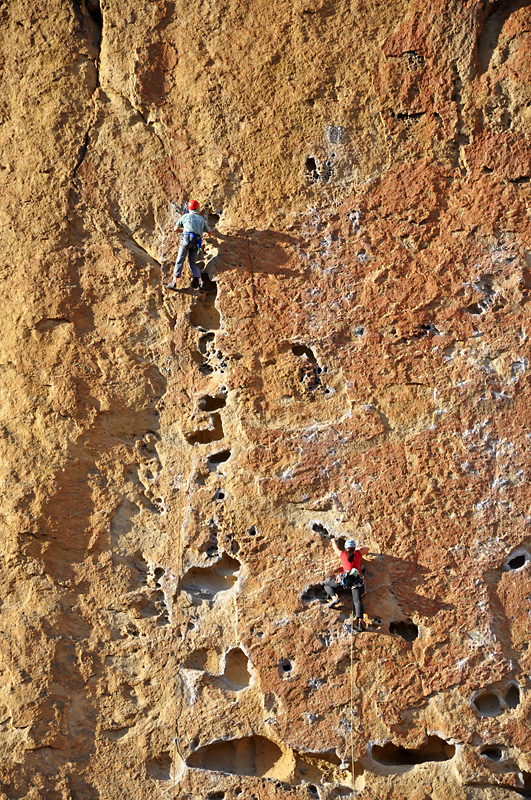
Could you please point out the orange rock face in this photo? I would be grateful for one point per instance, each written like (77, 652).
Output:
(175, 463)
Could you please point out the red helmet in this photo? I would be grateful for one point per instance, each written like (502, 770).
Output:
(193, 205)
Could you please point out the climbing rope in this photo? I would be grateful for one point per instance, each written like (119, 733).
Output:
(184, 513)
(351, 722)
(352, 701)
(177, 754)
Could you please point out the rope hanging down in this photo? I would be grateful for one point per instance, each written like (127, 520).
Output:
(184, 507)
(352, 702)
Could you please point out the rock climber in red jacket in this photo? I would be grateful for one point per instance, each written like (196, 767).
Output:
(348, 576)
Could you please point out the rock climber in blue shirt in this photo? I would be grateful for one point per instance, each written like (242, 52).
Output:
(193, 227)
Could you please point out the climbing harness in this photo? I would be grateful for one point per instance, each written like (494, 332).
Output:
(190, 239)
(351, 580)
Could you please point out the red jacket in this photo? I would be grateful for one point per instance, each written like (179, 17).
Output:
(347, 566)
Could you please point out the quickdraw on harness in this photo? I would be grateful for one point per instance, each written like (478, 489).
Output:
(191, 238)
(351, 579)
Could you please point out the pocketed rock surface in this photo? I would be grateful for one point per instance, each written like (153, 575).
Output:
(174, 464)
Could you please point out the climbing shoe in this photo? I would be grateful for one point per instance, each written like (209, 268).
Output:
(197, 283)
(333, 602)
(171, 285)
(359, 626)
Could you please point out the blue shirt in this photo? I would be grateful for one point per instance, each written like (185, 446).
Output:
(193, 223)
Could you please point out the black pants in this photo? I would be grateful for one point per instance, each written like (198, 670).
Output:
(331, 587)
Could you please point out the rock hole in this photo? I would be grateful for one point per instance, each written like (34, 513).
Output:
(209, 286)
(285, 666)
(205, 582)
(253, 530)
(218, 458)
(512, 696)
(219, 495)
(254, 756)
(406, 629)
(303, 352)
(517, 561)
(313, 790)
(209, 403)
(311, 168)
(204, 313)
(157, 574)
(341, 791)
(318, 528)
(313, 592)
(213, 433)
(414, 60)
(94, 10)
(476, 309)
(160, 767)
(206, 369)
(215, 796)
(204, 341)
(434, 749)
(492, 753)
(487, 704)
(236, 671)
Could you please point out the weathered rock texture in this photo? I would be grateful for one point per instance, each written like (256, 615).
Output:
(174, 464)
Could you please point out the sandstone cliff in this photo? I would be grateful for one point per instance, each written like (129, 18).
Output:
(174, 464)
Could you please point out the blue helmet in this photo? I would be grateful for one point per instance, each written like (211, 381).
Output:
(350, 544)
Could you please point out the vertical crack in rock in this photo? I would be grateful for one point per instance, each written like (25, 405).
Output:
(90, 17)
(82, 154)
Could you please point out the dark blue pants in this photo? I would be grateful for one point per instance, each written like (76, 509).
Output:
(185, 249)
